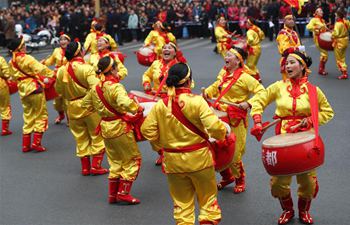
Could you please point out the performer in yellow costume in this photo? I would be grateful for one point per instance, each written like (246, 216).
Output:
(73, 82)
(26, 70)
(188, 161)
(340, 37)
(5, 105)
(111, 101)
(58, 59)
(104, 49)
(287, 39)
(254, 37)
(234, 84)
(96, 32)
(159, 37)
(317, 25)
(293, 107)
(223, 36)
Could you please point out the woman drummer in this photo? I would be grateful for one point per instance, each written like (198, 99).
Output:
(317, 25)
(5, 105)
(159, 37)
(187, 161)
(111, 101)
(235, 85)
(294, 109)
(223, 36)
(58, 59)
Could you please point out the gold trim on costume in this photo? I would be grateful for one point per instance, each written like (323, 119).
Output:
(78, 49)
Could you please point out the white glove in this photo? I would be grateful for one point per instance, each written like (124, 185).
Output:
(46, 80)
(301, 48)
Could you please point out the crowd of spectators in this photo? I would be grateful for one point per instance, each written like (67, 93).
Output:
(128, 20)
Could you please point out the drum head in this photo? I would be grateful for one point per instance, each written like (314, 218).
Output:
(326, 36)
(289, 139)
(143, 95)
(147, 106)
(145, 51)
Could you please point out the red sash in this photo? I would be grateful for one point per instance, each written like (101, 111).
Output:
(164, 75)
(237, 74)
(73, 76)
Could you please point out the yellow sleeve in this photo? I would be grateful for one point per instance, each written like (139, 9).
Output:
(264, 98)
(220, 33)
(261, 34)
(311, 25)
(337, 30)
(147, 76)
(149, 38)
(90, 75)
(149, 128)
(252, 38)
(325, 113)
(122, 100)
(114, 46)
(4, 69)
(255, 87)
(122, 70)
(59, 84)
(213, 90)
(49, 61)
(87, 43)
(171, 37)
(87, 101)
(282, 43)
(38, 68)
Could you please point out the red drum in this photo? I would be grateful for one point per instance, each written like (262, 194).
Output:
(50, 92)
(325, 41)
(142, 97)
(120, 55)
(223, 152)
(292, 153)
(240, 43)
(146, 56)
(12, 86)
(137, 121)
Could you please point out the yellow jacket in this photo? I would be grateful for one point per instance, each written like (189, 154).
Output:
(57, 58)
(241, 91)
(28, 82)
(117, 97)
(341, 33)
(287, 38)
(4, 73)
(292, 99)
(90, 44)
(316, 25)
(158, 40)
(71, 91)
(162, 128)
(94, 58)
(221, 38)
(254, 36)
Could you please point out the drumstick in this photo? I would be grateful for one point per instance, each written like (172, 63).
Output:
(293, 128)
(271, 124)
(226, 102)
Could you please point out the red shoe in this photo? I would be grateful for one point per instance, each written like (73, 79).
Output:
(113, 190)
(227, 178)
(321, 69)
(36, 145)
(26, 138)
(96, 168)
(344, 76)
(159, 160)
(5, 128)
(60, 117)
(304, 207)
(85, 165)
(124, 195)
(288, 211)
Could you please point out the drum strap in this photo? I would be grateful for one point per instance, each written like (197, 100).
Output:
(36, 80)
(164, 74)
(312, 92)
(237, 74)
(73, 76)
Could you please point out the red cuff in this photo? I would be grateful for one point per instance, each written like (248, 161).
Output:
(257, 118)
(146, 84)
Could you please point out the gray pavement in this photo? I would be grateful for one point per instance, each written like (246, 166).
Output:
(47, 188)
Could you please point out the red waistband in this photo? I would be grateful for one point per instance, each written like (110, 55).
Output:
(289, 117)
(189, 148)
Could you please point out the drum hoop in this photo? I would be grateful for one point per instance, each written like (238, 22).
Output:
(218, 112)
(287, 144)
(322, 35)
(141, 94)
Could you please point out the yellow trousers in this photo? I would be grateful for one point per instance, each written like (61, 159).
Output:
(185, 187)
(123, 156)
(308, 186)
(340, 52)
(34, 113)
(5, 106)
(83, 130)
(323, 53)
(253, 59)
(241, 136)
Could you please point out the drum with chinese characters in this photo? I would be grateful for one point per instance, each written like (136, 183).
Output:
(292, 153)
(325, 41)
(146, 56)
(12, 86)
(223, 151)
(142, 97)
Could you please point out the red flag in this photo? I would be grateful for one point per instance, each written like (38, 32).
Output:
(297, 4)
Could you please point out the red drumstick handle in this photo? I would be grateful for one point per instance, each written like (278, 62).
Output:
(271, 124)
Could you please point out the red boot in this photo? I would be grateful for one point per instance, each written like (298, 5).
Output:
(85, 165)
(159, 160)
(124, 195)
(5, 128)
(321, 68)
(227, 178)
(240, 182)
(113, 190)
(36, 145)
(288, 211)
(60, 117)
(26, 138)
(343, 76)
(96, 168)
(304, 215)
